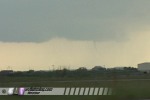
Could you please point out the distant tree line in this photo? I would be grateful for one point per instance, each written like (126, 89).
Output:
(81, 72)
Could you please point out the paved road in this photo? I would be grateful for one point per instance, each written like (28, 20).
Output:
(71, 81)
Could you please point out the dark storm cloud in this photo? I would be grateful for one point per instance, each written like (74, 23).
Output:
(96, 20)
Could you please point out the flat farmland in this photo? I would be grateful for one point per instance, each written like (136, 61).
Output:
(123, 89)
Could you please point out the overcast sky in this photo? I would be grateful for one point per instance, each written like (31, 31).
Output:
(35, 33)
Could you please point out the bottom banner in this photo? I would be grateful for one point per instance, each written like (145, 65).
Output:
(56, 91)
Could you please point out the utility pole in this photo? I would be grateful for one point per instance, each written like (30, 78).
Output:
(53, 67)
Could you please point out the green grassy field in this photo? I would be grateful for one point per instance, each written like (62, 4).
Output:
(122, 90)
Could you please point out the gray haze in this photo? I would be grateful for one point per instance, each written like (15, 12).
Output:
(77, 33)
(91, 20)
